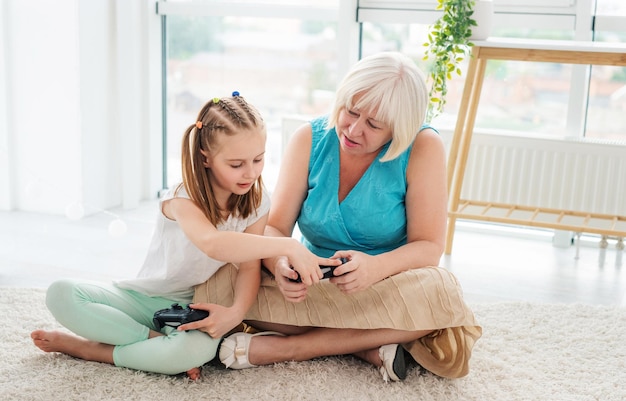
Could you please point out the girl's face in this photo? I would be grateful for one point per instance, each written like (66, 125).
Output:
(236, 164)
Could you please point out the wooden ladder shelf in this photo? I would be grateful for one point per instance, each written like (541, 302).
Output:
(556, 51)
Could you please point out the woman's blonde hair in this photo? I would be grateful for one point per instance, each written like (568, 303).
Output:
(225, 116)
(390, 84)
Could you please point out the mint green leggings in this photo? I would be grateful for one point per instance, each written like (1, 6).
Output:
(123, 318)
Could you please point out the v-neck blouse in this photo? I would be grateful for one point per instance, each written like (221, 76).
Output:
(371, 218)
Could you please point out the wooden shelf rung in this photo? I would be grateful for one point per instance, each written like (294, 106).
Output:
(540, 217)
(535, 213)
(486, 209)
(463, 206)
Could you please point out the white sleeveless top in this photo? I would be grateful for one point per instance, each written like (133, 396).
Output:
(174, 265)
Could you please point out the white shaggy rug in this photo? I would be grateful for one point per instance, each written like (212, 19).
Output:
(527, 352)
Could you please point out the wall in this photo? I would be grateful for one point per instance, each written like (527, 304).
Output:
(80, 105)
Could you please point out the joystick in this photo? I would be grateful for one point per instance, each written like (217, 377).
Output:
(177, 315)
(328, 271)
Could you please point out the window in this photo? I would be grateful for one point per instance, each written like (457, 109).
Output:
(607, 90)
(611, 8)
(284, 56)
(526, 98)
(284, 66)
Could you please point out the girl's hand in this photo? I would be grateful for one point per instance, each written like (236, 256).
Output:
(307, 264)
(358, 273)
(219, 322)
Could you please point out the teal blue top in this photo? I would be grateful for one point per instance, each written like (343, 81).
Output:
(372, 217)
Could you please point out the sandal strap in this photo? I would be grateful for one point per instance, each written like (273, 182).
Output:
(233, 352)
(236, 347)
(383, 371)
(240, 353)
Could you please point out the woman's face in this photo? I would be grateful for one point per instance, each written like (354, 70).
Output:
(359, 132)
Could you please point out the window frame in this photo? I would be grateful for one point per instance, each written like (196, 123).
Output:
(575, 15)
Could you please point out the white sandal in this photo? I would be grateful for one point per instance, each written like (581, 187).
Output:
(234, 349)
(394, 364)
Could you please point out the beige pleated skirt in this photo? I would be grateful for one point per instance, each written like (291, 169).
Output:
(428, 298)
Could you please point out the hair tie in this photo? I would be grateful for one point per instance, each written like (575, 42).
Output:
(235, 93)
(216, 100)
(199, 124)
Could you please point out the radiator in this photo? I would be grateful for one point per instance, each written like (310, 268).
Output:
(578, 175)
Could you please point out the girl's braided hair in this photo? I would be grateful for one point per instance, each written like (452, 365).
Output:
(225, 116)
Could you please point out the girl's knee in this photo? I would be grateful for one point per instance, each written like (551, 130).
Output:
(190, 349)
(173, 354)
(194, 342)
(58, 293)
(66, 298)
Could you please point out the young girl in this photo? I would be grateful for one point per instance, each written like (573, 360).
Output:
(216, 215)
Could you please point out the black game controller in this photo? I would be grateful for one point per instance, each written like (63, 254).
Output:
(177, 315)
(329, 271)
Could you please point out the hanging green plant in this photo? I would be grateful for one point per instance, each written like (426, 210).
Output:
(448, 45)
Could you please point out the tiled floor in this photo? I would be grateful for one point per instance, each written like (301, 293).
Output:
(36, 249)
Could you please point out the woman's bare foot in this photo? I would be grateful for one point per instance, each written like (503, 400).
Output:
(194, 373)
(72, 345)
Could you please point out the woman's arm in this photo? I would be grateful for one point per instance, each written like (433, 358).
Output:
(426, 202)
(287, 198)
(426, 210)
(289, 193)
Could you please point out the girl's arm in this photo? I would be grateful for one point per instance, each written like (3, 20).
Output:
(247, 282)
(222, 319)
(235, 247)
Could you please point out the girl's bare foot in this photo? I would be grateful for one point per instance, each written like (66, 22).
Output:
(57, 341)
(194, 373)
(72, 345)
(78, 347)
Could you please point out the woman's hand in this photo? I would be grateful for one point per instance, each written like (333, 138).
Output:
(358, 273)
(283, 273)
(219, 322)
